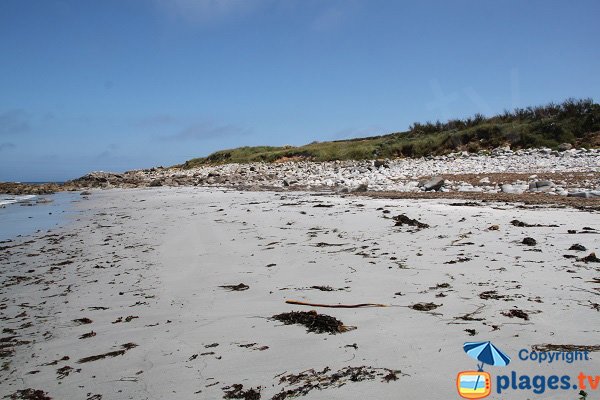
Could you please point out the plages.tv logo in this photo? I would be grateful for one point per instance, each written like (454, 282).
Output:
(478, 384)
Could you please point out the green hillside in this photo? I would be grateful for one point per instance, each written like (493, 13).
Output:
(574, 121)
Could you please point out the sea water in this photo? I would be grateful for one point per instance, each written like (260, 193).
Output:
(30, 214)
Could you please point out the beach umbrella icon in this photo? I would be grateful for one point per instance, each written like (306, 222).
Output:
(486, 353)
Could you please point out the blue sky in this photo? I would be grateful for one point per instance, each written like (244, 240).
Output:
(123, 84)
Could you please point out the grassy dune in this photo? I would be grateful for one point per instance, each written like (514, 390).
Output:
(574, 121)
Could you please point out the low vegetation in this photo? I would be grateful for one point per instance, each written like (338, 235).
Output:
(576, 122)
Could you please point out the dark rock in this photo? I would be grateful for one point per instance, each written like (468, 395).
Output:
(381, 163)
(24, 188)
(589, 258)
(577, 247)
(95, 179)
(529, 241)
(155, 183)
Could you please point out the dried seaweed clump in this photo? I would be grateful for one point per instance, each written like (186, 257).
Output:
(317, 323)
(237, 391)
(29, 394)
(425, 306)
(404, 220)
(236, 288)
(304, 382)
(565, 347)
(516, 313)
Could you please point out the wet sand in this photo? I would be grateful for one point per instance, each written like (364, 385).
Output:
(140, 298)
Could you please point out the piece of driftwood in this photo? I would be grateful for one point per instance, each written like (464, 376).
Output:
(302, 303)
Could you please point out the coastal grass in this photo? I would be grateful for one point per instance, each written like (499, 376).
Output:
(576, 122)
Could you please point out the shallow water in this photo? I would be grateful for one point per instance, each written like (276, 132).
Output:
(23, 215)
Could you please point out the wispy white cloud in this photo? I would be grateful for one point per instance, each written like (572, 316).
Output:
(206, 11)
(154, 121)
(334, 15)
(352, 133)
(109, 153)
(14, 122)
(7, 146)
(206, 130)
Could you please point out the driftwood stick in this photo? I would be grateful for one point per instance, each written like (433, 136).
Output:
(302, 303)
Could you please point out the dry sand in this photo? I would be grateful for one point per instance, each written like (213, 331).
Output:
(160, 256)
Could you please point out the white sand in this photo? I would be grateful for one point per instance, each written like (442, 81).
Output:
(168, 251)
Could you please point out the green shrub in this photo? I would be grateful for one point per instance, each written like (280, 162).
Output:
(549, 125)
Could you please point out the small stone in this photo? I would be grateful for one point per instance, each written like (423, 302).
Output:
(577, 247)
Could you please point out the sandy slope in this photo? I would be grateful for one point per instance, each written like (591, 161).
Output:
(161, 254)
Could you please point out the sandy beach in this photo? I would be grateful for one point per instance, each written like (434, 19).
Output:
(169, 293)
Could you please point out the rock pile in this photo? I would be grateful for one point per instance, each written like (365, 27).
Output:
(405, 175)
(573, 172)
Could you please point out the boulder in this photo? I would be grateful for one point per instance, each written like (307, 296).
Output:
(585, 195)
(381, 163)
(507, 188)
(434, 183)
(99, 178)
(564, 146)
(363, 187)
(541, 186)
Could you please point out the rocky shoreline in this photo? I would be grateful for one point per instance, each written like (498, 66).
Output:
(572, 172)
